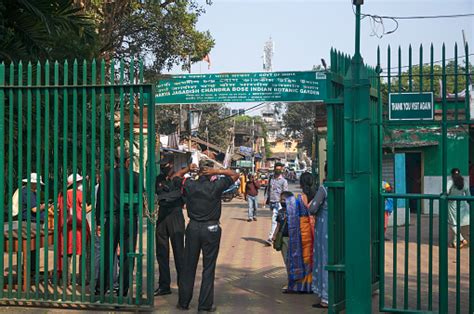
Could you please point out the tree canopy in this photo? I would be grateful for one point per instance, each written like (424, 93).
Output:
(162, 33)
(35, 30)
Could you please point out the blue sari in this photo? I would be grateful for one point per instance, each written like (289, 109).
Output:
(300, 246)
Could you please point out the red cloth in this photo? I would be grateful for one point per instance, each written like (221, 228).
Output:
(78, 208)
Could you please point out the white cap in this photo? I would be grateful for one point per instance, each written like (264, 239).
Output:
(70, 179)
(34, 178)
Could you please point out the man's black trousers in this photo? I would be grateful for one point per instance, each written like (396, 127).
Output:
(205, 236)
(125, 249)
(170, 228)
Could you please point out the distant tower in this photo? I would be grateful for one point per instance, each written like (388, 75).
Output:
(268, 51)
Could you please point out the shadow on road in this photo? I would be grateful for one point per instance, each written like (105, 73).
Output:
(254, 240)
(241, 219)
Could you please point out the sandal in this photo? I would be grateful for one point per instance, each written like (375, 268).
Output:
(321, 305)
(462, 244)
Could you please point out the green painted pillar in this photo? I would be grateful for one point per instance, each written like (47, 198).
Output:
(315, 156)
(357, 164)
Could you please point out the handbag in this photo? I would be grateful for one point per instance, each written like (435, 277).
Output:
(278, 243)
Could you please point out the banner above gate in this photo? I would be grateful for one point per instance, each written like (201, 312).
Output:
(242, 87)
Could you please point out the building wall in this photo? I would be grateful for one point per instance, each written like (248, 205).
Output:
(280, 147)
(458, 157)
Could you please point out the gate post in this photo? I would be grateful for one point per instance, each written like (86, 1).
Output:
(357, 164)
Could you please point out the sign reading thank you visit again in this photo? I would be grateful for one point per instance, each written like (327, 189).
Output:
(410, 106)
(242, 87)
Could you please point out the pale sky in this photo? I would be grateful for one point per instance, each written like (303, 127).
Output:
(305, 30)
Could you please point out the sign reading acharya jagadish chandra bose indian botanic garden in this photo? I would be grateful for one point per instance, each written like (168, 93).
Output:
(242, 87)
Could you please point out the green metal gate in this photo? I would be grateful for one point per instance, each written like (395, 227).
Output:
(337, 114)
(80, 119)
(419, 271)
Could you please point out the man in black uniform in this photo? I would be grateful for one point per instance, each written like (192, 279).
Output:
(125, 249)
(203, 202)
(169, 226)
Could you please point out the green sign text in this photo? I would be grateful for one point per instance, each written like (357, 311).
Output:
(410, 106)
(242, 87)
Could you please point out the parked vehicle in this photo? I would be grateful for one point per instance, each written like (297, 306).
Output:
(230, 193)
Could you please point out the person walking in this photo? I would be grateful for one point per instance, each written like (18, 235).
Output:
(113, 209)
(251, 195)
(169, 225)
(203, 233)
(457, 187)
(276, 185)
(319, 208)
(242, 183)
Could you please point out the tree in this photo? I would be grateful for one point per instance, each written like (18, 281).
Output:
(212, 117)
(299, 121)
(218, 126)
(35, 30)
(162, 33)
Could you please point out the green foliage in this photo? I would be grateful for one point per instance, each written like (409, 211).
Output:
(218, 127)
(212, 117)
(429, 79)
(163, 33)
(42, 29)
(299, 122)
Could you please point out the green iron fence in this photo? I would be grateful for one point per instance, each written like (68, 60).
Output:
(80, 119)
(340, 64)
(420, 273)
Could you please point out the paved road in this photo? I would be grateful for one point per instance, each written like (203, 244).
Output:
(249, 275)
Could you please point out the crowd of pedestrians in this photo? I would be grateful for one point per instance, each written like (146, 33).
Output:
(299, 225)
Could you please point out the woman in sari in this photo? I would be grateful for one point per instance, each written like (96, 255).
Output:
(299, 255)
(319, 208)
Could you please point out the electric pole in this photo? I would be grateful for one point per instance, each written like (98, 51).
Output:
(253, 145)
(189, 114)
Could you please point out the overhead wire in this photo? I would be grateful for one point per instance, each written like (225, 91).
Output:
(378, 28)
(256, 107)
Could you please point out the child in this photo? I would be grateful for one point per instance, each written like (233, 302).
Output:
(388, 205)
